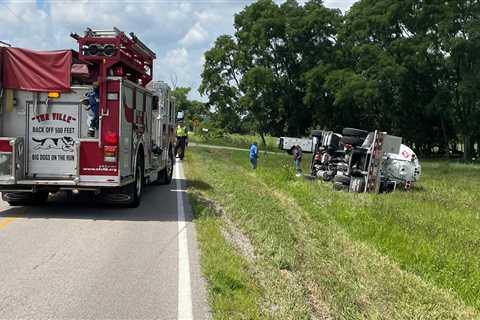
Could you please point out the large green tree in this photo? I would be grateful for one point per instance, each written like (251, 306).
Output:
(407, 67)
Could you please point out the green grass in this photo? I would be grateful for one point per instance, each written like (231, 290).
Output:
(322, 253)
(233, 292)
(235, 140)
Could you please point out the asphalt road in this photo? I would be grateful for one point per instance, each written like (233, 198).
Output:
(75, 259)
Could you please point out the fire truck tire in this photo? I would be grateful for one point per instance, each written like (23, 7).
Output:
(135, 189)
(25, 199)
(352, 132)
(165, 176)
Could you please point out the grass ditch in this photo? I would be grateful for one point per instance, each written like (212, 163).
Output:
(332, 255)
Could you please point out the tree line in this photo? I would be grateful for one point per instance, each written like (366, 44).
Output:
(408, 67)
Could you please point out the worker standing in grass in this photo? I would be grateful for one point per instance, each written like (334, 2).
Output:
(297, 159)
(253, 155)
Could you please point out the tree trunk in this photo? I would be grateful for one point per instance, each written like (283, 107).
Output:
(445, 139)
(264, 143)
(467, 154)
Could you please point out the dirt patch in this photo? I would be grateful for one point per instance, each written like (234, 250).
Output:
(238, 240)
(230, 231)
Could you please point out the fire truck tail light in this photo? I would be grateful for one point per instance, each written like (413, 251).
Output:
(54, 95)
(111, 139)
(110, 153)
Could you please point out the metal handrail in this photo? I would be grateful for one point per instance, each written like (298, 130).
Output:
(13, 171)
(77, 161)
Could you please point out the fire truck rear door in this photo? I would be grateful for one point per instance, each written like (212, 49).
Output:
(53, 129)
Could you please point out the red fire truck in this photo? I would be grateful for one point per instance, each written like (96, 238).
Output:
(91, 120)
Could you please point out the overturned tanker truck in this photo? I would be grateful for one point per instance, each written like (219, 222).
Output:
(361, 161)
(91, 120)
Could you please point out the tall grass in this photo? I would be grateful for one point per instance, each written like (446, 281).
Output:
(402, 255)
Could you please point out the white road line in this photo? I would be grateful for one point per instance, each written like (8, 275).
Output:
(184, 287)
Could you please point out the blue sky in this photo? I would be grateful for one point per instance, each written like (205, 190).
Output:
(178, 31)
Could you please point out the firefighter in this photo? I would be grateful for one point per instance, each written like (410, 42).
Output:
(91, 106)
(182, 140)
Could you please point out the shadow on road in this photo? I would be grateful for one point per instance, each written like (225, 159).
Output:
(159, 203)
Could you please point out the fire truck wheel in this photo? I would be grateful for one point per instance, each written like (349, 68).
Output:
(135, 189)
(25, 199)
(165, 176)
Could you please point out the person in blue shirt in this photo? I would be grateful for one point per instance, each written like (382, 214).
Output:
(253, 155)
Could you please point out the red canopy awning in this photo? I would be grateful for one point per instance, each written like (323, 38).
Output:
(36, 70)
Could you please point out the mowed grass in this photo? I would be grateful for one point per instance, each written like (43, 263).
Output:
(324, 254)
(232, 289)
(236, 140)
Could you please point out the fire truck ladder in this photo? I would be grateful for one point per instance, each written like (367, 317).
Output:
(129, 56)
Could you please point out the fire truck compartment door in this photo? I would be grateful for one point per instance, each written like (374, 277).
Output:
(53, 129)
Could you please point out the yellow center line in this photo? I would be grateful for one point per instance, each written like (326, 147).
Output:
(6, 221)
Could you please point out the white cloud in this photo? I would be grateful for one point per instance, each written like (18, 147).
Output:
(177, 57)
(178, 31)
(344, 5)
(195, 35)
(207, 17)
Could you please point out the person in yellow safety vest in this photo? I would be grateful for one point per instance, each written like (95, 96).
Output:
(182, 140)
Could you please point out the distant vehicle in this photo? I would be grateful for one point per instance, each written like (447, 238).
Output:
(361, 161)
(88, 122)
(287, 144)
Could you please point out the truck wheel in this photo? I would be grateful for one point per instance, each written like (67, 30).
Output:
(351, 132)
(352, 140)
(357, 184)
(135, 189)
(25, 199)
(340, 178)
(165, 176)
(340, 186)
